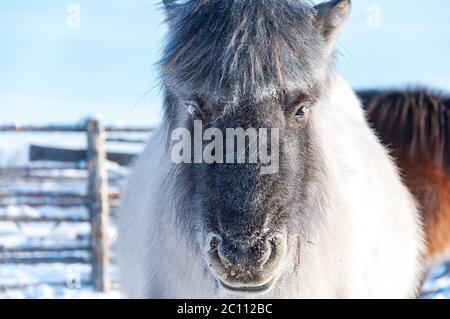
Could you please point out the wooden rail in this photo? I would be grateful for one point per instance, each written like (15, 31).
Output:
(45, 260)
(30, 219)
(43, 249)
(54, 194)
(17, 286)
(4, 171)
(43, 128)
(125, 140)
(45, 153)
(71, 128)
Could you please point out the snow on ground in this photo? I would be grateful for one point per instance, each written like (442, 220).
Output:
(438, 283)
(46, 281)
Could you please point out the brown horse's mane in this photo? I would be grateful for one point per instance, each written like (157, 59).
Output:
(413, 122)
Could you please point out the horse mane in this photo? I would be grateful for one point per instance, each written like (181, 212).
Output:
(224, 48)
(412, 122)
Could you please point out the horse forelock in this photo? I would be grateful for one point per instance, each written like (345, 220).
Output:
(234, 50)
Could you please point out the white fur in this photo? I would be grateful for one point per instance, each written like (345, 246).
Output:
(368, 243)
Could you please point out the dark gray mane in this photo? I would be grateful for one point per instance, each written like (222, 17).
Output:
(234, 48)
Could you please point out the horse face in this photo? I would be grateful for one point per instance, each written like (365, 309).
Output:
(246, 220)
(246, 211)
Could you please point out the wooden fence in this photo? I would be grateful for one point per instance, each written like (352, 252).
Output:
(99, 200)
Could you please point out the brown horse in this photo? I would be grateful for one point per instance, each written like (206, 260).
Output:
(415, 125)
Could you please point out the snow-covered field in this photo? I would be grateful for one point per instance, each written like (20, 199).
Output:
(71, 280)
(438, 283)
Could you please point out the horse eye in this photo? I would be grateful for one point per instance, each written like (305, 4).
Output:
(301, 112)
(193, 109)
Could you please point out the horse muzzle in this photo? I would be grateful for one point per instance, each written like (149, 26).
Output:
(245, 266)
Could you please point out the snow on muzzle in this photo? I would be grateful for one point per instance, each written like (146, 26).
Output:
(248, 266)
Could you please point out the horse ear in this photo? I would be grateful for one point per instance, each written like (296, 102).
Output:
(332, 17)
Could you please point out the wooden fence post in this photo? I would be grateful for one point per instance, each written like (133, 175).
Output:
(98, 203)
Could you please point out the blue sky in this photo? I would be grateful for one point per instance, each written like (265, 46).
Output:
(52, 73)
(49, 72)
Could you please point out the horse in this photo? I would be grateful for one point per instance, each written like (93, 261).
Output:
(414, 125)
(335, 220)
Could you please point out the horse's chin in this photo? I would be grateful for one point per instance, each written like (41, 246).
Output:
(248, 289)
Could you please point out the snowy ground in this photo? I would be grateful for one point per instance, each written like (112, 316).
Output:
(46, 281)
(438, 283)
(72, 280)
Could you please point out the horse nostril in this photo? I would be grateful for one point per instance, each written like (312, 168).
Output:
(267, 253)
(275, 253)
(214, 241)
